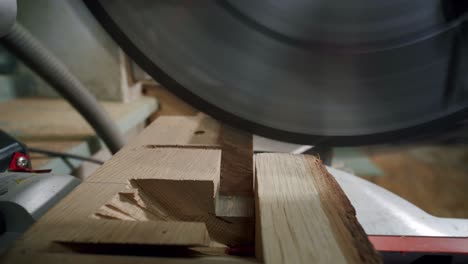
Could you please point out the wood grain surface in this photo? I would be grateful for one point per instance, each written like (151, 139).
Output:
(46, 258)
(170, 105)
(199, 130)
(304, 216)
(172, 233)
(55, 119)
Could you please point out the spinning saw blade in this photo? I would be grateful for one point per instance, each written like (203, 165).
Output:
(353, 72)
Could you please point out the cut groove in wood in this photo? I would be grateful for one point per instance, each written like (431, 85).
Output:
(236, 162)
(304, 215)
(202, 131)
(186, 154)
(234, 226)
(185, 197)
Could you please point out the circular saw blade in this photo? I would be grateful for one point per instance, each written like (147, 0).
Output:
(361, 72)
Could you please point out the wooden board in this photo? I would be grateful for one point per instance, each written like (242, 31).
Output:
(71, 222)
(186, 180)
(187, 146)
(149, 169)
(160, 163)
(203, 131)
(301, 209)
(170, 105)
(199, 130)
(55, 119)
(172, 233)
(232, 227)
(304, 216)
(47, 258)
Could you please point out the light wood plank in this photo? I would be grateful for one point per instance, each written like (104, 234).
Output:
(181, 184)
(55, 119)
(71, 222)
(160, 163)
(169, 104)
(203, 131)
(145, 160)
(133, 232)
(199, 130)
(304, 215)
(46, 258)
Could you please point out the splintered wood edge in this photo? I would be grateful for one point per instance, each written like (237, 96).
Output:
(360, 250)
(193, 197)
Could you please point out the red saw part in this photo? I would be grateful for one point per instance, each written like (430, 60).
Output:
(407, 244)
(14, 166)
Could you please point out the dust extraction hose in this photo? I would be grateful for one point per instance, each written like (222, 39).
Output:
(22, 44)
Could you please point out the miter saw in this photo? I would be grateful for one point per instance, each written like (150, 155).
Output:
(320, 72)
